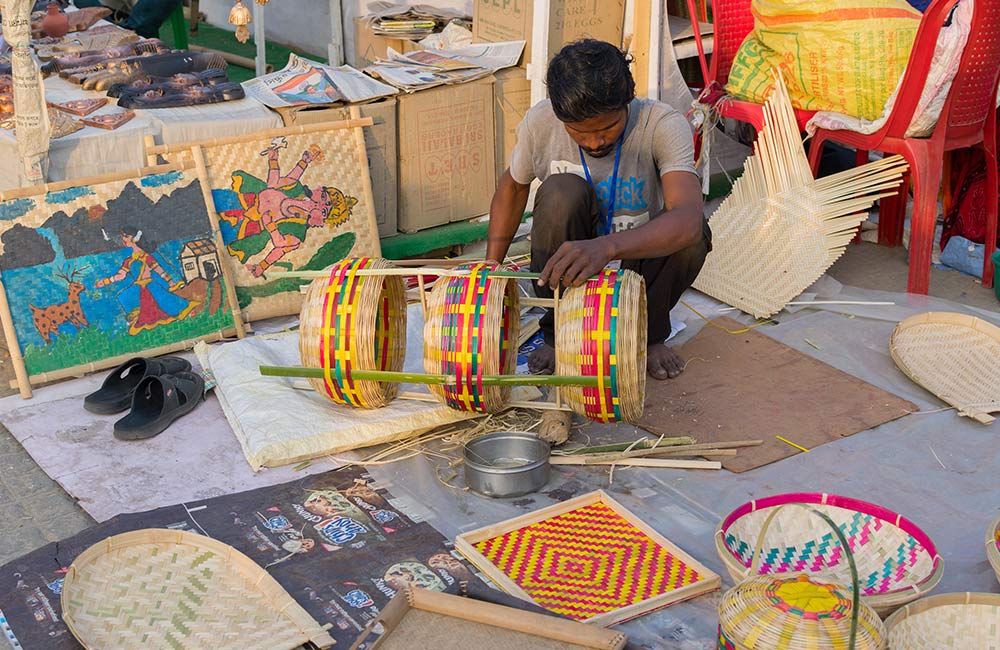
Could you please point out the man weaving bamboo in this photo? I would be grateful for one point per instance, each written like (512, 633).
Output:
(618, 183)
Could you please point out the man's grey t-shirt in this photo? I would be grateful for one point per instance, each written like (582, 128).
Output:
(657, 140)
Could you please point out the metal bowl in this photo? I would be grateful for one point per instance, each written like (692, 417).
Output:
(506, 463)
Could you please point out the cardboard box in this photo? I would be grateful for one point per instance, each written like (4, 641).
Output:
(380, 144)
(569, 20)
(368, 46)
(447, 154)
(512, 99)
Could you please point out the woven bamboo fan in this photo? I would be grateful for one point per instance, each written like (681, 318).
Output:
(954, 356)
(798, 611)
(993, 546)
(780, 229)
(354, 322)
(173, 590)
(601, 332)
(897, 561)
(470, 323)
(964, 621)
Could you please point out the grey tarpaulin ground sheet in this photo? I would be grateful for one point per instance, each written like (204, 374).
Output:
(893, 465)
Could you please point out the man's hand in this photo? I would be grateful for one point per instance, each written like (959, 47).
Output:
(575, 262)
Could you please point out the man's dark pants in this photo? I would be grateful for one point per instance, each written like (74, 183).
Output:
(566, 209)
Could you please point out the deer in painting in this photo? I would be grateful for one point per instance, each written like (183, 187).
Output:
(48, 319)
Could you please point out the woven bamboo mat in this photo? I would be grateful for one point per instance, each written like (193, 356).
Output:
(750, 386)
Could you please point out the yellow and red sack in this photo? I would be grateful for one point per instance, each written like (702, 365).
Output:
(845, 56)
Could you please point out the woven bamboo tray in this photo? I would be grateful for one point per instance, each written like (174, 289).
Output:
(470, 325)
(993, 546)
(954, 356)
(175, 590)
(354, 322)
(601, 331)
(897, 561)
(963, 621)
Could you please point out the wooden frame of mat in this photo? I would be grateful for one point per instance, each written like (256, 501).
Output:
(958, 322)
(281, 602)
(475, 611)
(22, 379)
(466, 544)
(211, 173)
(992, 548)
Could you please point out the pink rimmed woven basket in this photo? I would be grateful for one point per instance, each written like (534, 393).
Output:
(993, 546)
(960, 621)
(897, 561)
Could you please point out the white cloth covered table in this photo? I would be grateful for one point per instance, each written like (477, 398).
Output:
(92, 151)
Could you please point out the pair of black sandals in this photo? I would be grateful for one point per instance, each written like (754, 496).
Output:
(155, 392)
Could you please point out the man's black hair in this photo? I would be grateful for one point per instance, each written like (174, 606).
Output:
(588, 78)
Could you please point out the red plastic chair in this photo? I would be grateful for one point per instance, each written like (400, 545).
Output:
(732, 21)
(967, 119)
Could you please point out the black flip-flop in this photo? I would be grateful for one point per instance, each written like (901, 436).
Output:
(115, 394)
(157, 402)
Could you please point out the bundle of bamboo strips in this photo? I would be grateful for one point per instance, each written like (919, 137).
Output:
(641, 452)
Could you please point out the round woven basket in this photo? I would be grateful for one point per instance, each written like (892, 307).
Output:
(168, 589)
(993, 546)
(896, 560)
(471, 329)
(350, 321)
(954, 356)
(601, 332)
(798, 611)
(963, 621)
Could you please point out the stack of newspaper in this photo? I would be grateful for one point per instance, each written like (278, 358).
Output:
(422, 69)
(304, 82)
(410, 21)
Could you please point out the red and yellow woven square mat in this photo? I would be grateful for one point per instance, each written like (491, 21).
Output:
(587, 562)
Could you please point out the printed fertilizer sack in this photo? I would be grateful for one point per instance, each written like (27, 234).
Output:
(845, 56)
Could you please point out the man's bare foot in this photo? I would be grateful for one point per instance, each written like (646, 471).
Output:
(662, 362)
(542, 361)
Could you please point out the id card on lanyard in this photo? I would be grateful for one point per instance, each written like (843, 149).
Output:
(607, 220)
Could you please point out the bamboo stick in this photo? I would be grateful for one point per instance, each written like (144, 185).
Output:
(642, 443)
(220, 245)
(262, 135)
(692, 450)
(36, 190)
(425, 378)
(22, 383)
(642, 462)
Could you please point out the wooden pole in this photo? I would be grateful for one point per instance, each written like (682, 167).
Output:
(263, 135)
(13, 346)
(220, 246)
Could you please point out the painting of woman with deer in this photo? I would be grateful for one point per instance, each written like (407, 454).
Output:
(275, 214)
(148, 298)
(116, 268)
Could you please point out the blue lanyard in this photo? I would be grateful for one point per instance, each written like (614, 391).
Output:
(614, 185)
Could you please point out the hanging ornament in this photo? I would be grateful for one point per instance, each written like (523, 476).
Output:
(261, 2)
(240, 16)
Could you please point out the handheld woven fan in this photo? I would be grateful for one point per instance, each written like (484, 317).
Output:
(954, 356)
(173, 590)
(781, 229)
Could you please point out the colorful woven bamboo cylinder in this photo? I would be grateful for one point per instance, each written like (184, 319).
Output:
(470, 330)
(798, 611)
(601, 332)
(993, 546)
(962, 621)
(350, 321)
(897, 561)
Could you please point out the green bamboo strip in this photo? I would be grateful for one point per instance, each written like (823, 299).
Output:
(423, 378)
